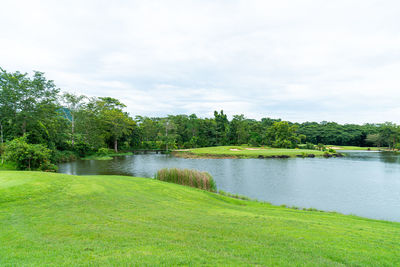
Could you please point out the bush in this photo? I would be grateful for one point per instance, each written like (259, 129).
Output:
(104, 151)
(47, 166)
(321, 147)
(82, 149)
(28, 156)
(193, 178)
(63, 156)
(309, 145)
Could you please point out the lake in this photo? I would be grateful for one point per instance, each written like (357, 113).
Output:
(364, 183)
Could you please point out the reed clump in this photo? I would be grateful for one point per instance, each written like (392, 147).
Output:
(193, 178)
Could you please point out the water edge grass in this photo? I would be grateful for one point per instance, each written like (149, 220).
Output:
(192, 178)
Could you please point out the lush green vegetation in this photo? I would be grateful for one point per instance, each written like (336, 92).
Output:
(62, 220)
(73, 126)
(7, 166)
(247, 152)
(193, 178)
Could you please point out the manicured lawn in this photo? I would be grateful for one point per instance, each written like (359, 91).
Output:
(249, 152)
(61, 220)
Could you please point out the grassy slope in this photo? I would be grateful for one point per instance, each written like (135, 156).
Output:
(62, 220)
(245, 152)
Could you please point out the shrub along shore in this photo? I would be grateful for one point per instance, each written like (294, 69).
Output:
(64, 220)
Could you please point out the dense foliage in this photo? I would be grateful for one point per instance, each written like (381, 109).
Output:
(33, 106)
(28, 156)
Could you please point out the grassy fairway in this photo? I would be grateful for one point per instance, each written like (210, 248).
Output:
(246, 152)
(356, 148)
(61, 220)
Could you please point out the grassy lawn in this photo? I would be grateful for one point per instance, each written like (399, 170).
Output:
(356, 148)
(247, 152)
(61, 220)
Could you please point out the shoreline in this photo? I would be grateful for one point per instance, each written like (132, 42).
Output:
(191, 155)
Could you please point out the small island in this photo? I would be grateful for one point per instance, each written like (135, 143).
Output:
(251, 152)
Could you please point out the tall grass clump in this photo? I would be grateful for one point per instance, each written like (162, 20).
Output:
(193, 178)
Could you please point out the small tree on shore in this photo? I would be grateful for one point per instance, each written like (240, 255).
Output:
(28, 156)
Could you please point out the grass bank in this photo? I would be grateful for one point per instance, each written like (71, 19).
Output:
(356, 148)
(107, 156)
(246, 152)
(62, 220)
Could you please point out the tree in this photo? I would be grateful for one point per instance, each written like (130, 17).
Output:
(73, 104)
(222, 127)
(171, 138)
(116, 122)
(29, 105)
(374, 139)
(389, 134)
(282, 134)
(28, 156)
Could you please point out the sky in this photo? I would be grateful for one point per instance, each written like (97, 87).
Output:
(306, 60)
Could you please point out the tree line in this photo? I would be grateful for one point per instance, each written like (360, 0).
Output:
(34, 109)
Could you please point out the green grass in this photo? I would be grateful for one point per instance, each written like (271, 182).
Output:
(49, 219)
(106, 157)
(246, 152)
(356, 148)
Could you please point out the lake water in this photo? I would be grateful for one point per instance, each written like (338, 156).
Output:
(362, 183)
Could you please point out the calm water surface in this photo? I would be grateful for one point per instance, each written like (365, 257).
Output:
(363, 183)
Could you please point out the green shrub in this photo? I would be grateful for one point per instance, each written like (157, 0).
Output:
(193, 178)
(321, 147)
(63, 156)
(309, 145)
(28, 156)
(47, 166)
(104, 151)
(82, 149)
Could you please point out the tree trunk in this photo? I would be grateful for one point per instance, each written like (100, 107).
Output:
(116, 145)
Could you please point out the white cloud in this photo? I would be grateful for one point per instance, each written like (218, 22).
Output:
(298, 60)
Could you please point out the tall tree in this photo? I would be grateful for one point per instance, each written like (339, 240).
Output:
(73, 104)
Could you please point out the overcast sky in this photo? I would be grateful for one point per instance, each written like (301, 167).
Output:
(296, 60)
